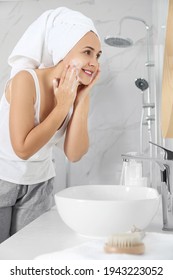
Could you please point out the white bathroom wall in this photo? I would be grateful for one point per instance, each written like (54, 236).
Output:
(115, 101)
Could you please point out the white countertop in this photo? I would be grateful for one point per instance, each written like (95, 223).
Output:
(48, 234)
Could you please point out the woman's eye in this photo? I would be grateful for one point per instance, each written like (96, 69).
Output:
(88, 52)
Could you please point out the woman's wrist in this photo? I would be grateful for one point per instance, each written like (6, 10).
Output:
(82, 102)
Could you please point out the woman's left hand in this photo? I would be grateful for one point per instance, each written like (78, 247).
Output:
(83, 90)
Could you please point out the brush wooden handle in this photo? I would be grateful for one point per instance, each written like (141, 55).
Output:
(167, 81)
(136, 249)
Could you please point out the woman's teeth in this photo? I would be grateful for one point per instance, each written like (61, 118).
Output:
(89, 73)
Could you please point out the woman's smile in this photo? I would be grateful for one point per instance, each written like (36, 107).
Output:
(88, 72)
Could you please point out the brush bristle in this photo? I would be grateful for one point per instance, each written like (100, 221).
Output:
(124, 240)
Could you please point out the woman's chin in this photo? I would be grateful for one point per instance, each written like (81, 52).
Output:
(85, 82)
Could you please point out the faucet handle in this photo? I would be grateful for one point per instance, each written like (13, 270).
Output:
(168, 153)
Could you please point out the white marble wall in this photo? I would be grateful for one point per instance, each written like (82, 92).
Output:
(115, 101)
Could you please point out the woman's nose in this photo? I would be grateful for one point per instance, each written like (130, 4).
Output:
(93, 62)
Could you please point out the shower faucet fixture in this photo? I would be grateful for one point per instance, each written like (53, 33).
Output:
(148, 121)
(142, 84)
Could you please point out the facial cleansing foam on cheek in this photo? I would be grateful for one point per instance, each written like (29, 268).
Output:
(76, 63)
(78, 66)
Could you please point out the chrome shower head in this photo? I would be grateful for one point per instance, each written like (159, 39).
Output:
(121, 42)
(142, 84)
(118, 42)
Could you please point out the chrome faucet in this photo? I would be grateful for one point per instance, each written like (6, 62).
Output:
(166, 171)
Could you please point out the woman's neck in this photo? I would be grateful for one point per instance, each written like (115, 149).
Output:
(48, 74)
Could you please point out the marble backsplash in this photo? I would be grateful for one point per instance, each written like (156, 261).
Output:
(115, 110)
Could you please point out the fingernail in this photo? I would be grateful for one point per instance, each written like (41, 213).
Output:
(55, 81)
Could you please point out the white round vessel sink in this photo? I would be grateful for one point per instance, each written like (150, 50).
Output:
(103, 210)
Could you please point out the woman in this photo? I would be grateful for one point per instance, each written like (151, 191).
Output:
(46, 101)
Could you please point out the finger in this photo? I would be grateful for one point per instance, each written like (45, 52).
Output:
(95, 78)
(71, 73)
(55, 84)
(75, 85)
(71, 80)
(63, 75)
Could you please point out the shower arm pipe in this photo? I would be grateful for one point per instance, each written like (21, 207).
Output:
(146, 26)
(134, 18)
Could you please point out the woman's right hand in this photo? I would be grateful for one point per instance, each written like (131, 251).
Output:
(26, 137)
(65, 90)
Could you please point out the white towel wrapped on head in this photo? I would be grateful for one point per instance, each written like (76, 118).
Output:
(49, 38)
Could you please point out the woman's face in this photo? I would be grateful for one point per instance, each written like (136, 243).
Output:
(85, 55)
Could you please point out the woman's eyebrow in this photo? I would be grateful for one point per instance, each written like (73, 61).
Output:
(91, 48)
